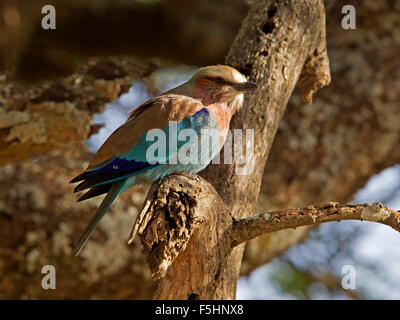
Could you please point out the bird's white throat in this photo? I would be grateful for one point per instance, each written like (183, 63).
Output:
(236, 102)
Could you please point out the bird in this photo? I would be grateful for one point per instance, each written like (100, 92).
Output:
(206, 102)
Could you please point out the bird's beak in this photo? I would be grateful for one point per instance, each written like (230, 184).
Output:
(246, 86)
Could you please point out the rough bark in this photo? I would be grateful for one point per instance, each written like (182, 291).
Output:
(275, 42)
(189, 259)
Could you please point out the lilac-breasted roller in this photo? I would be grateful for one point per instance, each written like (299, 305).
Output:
(206, 102)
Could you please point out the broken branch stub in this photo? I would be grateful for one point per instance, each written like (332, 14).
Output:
(182, 230)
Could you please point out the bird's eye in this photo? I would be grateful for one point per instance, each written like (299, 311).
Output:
(219, 80)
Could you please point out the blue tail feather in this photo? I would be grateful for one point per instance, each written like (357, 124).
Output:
(100, 212)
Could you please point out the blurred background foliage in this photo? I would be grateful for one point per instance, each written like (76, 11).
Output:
(105, 49)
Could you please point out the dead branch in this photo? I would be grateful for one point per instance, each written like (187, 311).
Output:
(182, 229)
(251, 227)
(188, 234)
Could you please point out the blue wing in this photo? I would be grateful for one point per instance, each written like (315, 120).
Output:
(100, 178)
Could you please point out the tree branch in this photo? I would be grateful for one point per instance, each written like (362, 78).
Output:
(248, 228)
(188, 233)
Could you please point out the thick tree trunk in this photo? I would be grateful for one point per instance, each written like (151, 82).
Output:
(276, 43)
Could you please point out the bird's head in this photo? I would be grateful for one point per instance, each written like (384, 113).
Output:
(221, 84)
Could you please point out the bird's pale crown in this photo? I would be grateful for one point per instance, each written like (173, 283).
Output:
(227, 73)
